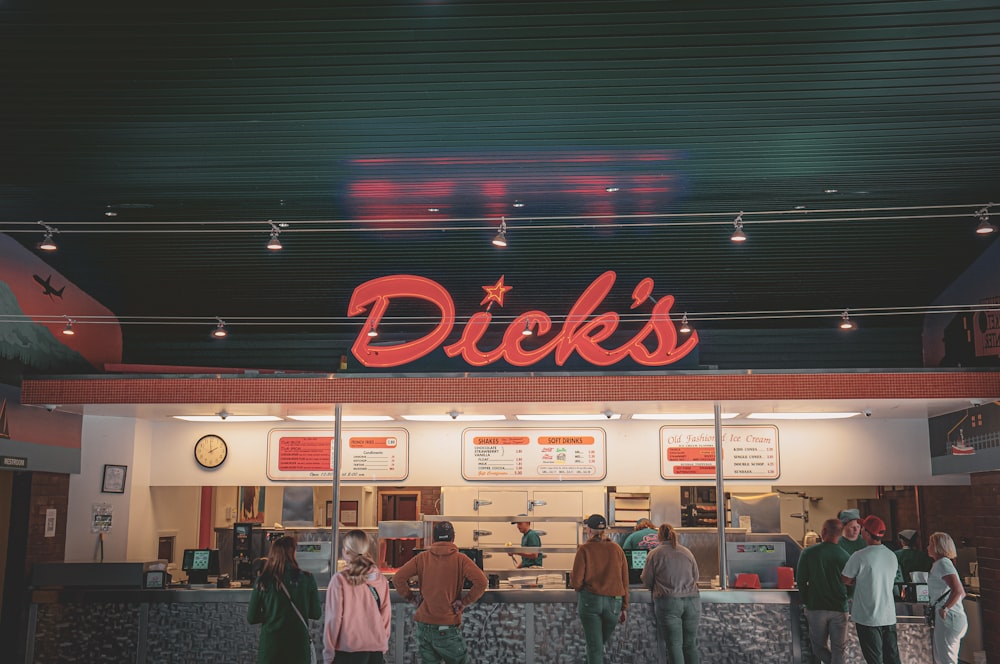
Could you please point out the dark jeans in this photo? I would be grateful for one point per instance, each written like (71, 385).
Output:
(677, 623)
(878, 644)
(342, 657)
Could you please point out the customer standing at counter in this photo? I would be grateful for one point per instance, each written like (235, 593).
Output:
(911, 558)
(850, 539)
(671, 573)
(872, 572)
(644, 537)
(950, 621)
(824, 594)
(529, 537)
(600, 577)
(283, 600)
(441, 572)
(358, 612)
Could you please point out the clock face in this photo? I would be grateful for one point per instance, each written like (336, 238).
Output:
(210, 451)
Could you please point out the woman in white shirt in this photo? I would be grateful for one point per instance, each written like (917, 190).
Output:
(950, 622)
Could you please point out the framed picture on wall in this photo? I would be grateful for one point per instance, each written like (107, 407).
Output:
(349, 512)
(113, 479)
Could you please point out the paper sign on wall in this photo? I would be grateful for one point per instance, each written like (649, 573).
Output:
(748, 452)
(365, 454)
(539, 455)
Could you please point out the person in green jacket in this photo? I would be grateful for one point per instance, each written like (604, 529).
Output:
(911, 557)
(824, 595)
(281, 585)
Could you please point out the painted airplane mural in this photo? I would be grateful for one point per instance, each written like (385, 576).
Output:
(46, 285)
(33, 311)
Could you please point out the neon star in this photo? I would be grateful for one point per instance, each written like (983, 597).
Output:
(495, 293)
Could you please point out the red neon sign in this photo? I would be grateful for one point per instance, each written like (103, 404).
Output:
(581, 333)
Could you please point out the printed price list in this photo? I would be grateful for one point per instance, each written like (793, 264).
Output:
(533, 454)
(365, 455)
(748, 452)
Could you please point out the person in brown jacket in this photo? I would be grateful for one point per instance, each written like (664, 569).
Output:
(600, 577)
(441, 572)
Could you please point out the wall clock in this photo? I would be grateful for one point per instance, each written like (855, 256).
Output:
(210, 451)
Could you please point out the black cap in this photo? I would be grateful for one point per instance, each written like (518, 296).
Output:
(596, 522)
(444, 531)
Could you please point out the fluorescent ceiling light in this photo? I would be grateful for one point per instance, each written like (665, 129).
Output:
(802, 416)
(456, 417)
(682, 416)
(228, 418)
(343, 418)
(570, 417)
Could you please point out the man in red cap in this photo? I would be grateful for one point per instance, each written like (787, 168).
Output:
(872, 571)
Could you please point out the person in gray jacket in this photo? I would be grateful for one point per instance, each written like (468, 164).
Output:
(671, 573)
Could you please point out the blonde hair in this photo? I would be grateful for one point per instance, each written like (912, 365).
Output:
(943, 544)
(668, 534)
(357, 548)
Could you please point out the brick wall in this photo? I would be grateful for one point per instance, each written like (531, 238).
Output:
(985, 508)
(947, 509)
(48, 491)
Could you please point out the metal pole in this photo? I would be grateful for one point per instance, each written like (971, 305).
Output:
(335, 465)
(720, 500)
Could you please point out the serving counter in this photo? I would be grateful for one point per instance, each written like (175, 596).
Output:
(505, 626)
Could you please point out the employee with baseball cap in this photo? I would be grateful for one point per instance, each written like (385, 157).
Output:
(529, 537)
(872, 571)
(600, 577)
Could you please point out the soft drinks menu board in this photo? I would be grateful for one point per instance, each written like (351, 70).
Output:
(558, 455)
(748, 452)
(365, 454)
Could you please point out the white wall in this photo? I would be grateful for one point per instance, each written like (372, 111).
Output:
(105, 440)
(854, 455)
(830, 453)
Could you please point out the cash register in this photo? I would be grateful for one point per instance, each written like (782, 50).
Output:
(200, 564)
(636, 559)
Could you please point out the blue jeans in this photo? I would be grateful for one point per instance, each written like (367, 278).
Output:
(677, 621)
(599, 616)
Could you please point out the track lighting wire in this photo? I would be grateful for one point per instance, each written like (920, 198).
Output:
(533, 223)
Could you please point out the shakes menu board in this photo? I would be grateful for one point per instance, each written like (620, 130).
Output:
(534, 454)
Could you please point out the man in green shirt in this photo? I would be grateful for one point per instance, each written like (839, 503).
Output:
(644, 537)
(850, 539)
(528, 538)
(824, 594)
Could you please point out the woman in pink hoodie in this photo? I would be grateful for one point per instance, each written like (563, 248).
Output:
(356, 629)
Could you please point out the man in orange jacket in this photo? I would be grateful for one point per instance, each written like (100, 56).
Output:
(441, 572)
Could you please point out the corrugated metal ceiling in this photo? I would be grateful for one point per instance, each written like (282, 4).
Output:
(350, 121)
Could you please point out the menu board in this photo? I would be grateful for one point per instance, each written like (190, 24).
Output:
(748, 452)
(365, 454)
(540, 455)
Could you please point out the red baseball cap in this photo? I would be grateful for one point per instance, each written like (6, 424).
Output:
(874, 525)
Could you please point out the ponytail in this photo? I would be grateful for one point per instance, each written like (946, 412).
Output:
(668, 534)
(359, 561)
